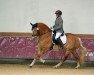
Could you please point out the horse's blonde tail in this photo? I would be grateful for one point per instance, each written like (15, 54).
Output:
(83, 54)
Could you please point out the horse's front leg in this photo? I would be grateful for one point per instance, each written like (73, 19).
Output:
(42, 60)
(33, 62)
(64, 58)
(38, 56)
(59, 64)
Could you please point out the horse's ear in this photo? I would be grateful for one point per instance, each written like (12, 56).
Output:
(31, 24)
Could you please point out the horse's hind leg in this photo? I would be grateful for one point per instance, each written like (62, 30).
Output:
(77, 59)
(64, 58)
(42, 60)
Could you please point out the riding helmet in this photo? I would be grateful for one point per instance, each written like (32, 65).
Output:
(59, 12)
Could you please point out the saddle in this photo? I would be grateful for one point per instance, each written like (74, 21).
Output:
(58, 41)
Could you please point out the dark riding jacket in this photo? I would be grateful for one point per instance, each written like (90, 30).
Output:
(58, 27)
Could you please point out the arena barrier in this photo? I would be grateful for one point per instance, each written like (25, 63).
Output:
(21, 45)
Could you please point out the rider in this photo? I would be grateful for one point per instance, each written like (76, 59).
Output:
(58, 29)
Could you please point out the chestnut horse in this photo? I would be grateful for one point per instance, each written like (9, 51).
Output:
(44, 34)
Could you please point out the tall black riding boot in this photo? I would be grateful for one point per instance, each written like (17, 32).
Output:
(60, 42)
(51, 46)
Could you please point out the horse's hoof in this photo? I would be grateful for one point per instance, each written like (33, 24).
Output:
(30, 66)
(55, 67)
(43, 61)
(77, 67)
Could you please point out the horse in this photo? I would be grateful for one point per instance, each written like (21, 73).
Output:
(44, 34)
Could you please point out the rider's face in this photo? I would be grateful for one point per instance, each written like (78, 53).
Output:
(57, 15)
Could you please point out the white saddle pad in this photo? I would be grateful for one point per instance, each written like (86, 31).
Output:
(63, 38)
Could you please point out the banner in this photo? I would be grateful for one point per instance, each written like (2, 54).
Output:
(24, 47)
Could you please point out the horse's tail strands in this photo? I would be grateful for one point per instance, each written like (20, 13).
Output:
(83, 54)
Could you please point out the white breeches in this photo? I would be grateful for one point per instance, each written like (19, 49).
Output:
(63, 38)
(57, 35)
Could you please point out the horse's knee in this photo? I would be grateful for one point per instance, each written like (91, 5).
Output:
(37, 56)
(66, 55)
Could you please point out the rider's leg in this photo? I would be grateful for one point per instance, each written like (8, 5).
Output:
(53, 38)
(53, 41)
(63, 39)
(57, 35)
(60, 42)
(58, 38)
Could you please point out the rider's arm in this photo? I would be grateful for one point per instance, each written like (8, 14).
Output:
(59, 26)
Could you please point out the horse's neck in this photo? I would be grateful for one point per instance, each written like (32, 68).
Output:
(44, 36)
(44, 31)
(43, 27)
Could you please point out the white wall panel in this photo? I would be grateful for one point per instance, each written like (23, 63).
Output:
(78, 15)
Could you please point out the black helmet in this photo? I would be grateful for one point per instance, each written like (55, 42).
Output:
(58, 12)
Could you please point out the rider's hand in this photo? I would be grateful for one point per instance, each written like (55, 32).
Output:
(51, 27)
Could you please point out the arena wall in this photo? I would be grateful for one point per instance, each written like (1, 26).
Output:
(20, 45)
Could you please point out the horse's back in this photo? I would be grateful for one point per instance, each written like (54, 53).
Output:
(72, 40)
(70, 34)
